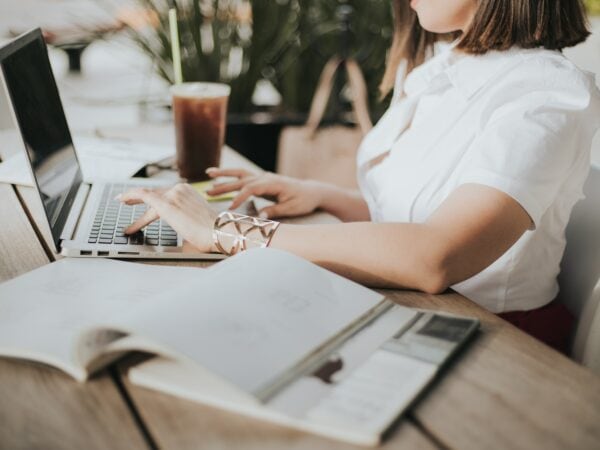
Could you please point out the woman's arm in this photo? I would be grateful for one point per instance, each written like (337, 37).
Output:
(469, 231)
(472, 228)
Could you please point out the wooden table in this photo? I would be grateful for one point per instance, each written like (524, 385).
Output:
(506, 390)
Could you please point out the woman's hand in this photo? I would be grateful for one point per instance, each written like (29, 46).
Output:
(181, 207)
(293, 197)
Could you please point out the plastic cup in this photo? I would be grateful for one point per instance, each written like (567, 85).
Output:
(200, 115)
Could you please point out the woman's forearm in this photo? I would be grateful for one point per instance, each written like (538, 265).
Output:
(377, 255)
(472, 228)
(346, 204)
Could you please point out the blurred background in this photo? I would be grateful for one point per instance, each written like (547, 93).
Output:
(112, 58)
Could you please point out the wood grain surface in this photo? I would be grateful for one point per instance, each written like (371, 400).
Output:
(20, 250)
(41, 407)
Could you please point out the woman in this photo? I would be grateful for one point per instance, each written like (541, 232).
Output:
(467, 181)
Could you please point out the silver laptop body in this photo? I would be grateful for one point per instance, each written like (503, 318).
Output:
(84, 219)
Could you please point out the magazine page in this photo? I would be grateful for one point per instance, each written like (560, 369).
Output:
(252, 317)
(44, 312)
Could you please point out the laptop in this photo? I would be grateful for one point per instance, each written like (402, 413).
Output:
(84, 218)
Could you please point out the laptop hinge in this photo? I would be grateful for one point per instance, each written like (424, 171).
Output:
(68, 231)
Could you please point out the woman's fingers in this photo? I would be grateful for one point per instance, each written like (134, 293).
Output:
(129, 201)
(223, 188)
(148, 217)
(258, 188)
(182, 207)
(215, 172)
(151, 198)
(134, 196)
(285, 209)
(245, 192)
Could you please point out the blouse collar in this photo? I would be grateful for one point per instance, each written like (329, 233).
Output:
(467, 73)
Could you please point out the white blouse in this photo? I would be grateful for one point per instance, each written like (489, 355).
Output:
(520, 121)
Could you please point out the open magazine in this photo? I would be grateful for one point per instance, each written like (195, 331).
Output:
(264, 333)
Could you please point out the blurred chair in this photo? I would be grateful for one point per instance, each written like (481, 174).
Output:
(580, 274)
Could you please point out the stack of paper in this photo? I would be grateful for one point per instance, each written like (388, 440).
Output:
(100, 160)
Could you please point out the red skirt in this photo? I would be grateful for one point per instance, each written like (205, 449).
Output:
(552, 324)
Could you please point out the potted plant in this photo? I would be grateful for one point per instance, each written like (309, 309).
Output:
(279, 46)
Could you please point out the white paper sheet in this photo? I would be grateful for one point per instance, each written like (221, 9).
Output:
(254, 316)
(100, 159)
(248, 319)
(43, 312)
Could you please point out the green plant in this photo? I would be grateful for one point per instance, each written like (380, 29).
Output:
(218, 42)
(357, 28)
(284, 41)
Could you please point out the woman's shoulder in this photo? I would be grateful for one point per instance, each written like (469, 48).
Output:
(535, 81)
(540, 69)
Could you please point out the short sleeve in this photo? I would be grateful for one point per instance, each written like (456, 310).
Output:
(534, 136)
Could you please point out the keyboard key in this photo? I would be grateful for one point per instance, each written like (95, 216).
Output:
(121, 240)
(104, 241)
(168, 242)
(136, 239)
(151, 241)
(91, 240)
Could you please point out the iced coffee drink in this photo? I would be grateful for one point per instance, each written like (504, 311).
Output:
(200, 111)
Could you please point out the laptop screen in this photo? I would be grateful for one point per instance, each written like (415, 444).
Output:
(38, 110)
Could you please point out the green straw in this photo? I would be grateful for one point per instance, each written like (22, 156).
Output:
(175, 46)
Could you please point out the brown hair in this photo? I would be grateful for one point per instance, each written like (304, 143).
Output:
(496, 25)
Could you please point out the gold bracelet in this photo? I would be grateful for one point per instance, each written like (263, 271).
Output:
(244, 232)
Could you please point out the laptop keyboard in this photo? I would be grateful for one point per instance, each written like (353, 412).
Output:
(112, 217)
